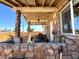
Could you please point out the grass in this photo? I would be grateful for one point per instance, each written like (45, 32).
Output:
(5, 35)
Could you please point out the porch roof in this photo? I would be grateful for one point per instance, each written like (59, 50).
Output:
(37, 11)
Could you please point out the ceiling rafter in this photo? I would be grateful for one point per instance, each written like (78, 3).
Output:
(26, 3)
(43, 3)
(7, 3)
(35, 3)
(62, 4)
(11, 1)
(16, 2)
(51, 3)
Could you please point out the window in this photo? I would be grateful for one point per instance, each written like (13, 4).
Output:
(69, 17)
(66, 20)
(76, 17)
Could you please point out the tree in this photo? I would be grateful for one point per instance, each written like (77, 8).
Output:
(32, 29)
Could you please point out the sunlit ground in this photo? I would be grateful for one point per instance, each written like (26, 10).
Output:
(5, 35)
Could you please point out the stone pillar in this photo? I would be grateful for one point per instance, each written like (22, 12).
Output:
(17, 26)
(51, 29)
(29, 34)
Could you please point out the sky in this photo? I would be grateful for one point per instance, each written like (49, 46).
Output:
(77, 23)
(8, 20)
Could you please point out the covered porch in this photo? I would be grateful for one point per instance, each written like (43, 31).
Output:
(36, 12)
(57, 18)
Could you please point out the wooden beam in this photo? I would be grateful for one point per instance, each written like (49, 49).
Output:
(51, 3)
(6, 3)
(36, 9)
(40, 23)
(62, 4)
(16, 3)
(35, 2)
(18, 21)
(26, 3)
(11, 2)
(43, 2)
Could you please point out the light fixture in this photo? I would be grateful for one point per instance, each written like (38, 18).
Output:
(38, 20)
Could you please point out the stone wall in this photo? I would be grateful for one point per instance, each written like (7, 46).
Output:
(39, 50)
(29, 51)
(71, 50)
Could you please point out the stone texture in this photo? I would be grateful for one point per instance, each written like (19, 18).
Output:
(30, 48)
(23, 47)
(50, 57)
(75, 55)
(67, 57)
(29, 54)
(56, 51)
(57, 56)
(38, 51)
(18, 54)
(16, 47)
(7, 51)
(2, 57)
(50, 51)
(1, 49)
(77, 41)
(72, 47)
(9, 56)
(55, 46)
(66, 52)
(68, 41)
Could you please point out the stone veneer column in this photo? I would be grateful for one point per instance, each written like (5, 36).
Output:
(51, 29)
(17, 26)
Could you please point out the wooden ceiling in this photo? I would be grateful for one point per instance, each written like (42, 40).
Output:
(31, 3)
(36, 9)
(38, 17)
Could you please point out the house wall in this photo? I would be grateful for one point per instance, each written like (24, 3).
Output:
(54, 25)
(71, 47)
